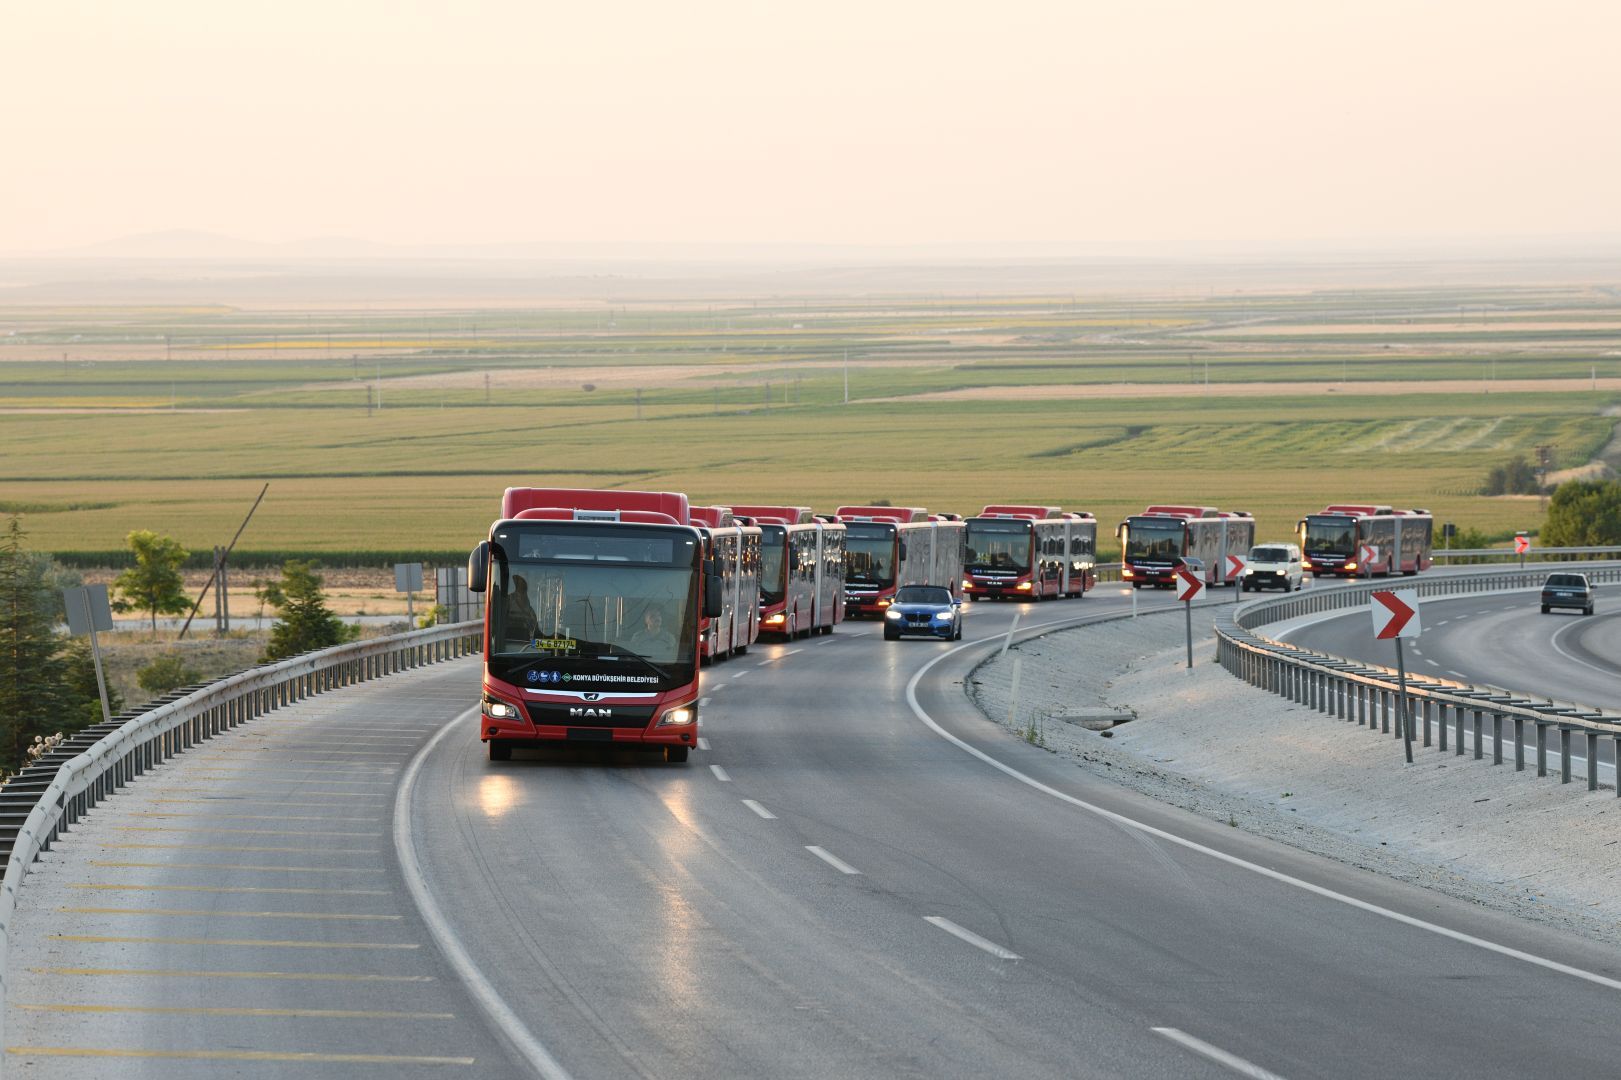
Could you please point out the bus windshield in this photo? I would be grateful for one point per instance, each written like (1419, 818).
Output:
(598, 608)
(869, 553)
(773, 542)
(1154, 538)
(997, 545)
(1330, 536)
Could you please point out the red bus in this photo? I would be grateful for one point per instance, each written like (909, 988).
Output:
(886, 547)
(734, 550)
(1029, 552)
(802, 570)
(1152, 542)
(591, 620)
(1330, 542)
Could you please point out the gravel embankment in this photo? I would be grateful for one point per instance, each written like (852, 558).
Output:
(1210, 743)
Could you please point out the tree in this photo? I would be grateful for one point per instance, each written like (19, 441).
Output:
(1517, 477)
(30, 681)
(81, 705)
(1584, 513)
(304, 622)
(153, 584)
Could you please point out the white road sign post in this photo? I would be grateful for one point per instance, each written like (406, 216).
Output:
(408, 580)
(88, 612)
(1395, 616)
(1188, 585)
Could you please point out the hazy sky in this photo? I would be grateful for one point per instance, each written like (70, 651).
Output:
(1145, 124)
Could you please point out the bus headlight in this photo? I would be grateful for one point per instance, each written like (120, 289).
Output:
(1024, 586)
(678, 716)
(500, 709)
(776, 620)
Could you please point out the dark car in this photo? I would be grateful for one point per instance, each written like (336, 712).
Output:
(923, 609)
(1567, 591)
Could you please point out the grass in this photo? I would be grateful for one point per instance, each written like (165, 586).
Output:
(425, 472)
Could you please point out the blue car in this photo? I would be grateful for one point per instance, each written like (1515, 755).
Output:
(923, 609)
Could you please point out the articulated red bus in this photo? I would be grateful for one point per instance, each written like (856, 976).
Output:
(591, 619)
(886, 547)
(734, 550)
(1031, 552)
(801, 570)
(1153, 542)
(1330, 542)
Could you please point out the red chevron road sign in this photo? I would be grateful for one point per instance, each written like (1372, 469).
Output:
(1188, 584)
(1395, 613)
(1522, 543)
(1235, 567)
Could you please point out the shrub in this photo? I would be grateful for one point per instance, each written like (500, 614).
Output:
(165, 673)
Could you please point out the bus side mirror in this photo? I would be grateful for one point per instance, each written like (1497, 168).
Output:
(478, 567)
(903, 551)
(714, 602)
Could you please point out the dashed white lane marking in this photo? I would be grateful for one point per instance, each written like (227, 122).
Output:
(1443, 622)
(720, 774)
(1216, 1054)
(758, 809)
(1122, 820)
(1430, 662)
(703, 744)
(702, 702)
(831, 859)
(739, 674)
(791, 652)
(965, 934)
(717, 688)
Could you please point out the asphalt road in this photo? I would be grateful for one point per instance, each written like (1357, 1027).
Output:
(860, 876)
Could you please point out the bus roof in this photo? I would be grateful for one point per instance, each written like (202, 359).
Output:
(1181, 511)
(1011, 510)
(776, 515)
(900, 514)
(671, 504)
(714, 517)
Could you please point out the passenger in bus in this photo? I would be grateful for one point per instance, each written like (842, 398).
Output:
(652, 639)
(522, 626)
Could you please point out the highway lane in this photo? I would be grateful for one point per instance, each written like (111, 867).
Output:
(833, 889)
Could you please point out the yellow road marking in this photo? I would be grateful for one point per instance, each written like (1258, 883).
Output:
(161, 973)
(235, 1055)
(254, 817)
(108, 939)
(228, 914)
(245, 832)
(123, 887)
(238, 847)
(176, 1010)
(239, 866)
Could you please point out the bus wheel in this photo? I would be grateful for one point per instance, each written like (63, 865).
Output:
(675, 754)
(741, 650)
(500, 750)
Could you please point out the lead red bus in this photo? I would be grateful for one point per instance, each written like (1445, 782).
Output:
(1331, 542)
(1154, 542)
(886, 547)
(1029, 552)
(733, 550)
(801, 570)
(591, 620)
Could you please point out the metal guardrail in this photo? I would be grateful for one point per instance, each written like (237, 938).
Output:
(1536, 554)
(1368, 693)
(147, 740)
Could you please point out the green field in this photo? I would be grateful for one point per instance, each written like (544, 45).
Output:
(121, 416)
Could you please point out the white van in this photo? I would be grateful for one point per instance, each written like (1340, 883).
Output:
(1273, 566)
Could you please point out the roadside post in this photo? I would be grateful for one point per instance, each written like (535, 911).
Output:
(1522, 544)
(408, 580)
(1014, 626)
(1236, 565)
(1189, 580)
(1395, 616)
(88, 612)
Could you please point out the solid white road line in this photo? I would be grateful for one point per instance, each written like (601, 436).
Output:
(972, 938)
(1554, 641)
(832, 860)
(1233, 860)
(758, 809)
(483, 992)
(1216, 1054)
(720, 774)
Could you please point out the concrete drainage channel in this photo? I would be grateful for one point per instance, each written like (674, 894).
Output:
(1368, 694)
(50, 796)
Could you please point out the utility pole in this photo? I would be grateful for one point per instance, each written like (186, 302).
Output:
(638, 403)
(847, 376)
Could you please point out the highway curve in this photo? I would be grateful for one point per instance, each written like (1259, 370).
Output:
(860, 876)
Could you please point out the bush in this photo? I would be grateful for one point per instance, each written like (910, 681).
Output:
(1584, 513)
(1517, 477)
(164, 674)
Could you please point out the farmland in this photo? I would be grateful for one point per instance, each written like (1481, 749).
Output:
(393, 428)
